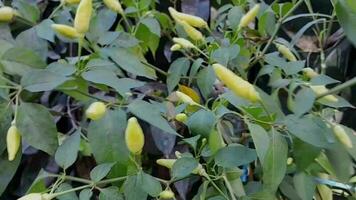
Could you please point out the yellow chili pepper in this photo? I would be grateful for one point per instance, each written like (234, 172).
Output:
(70, 1)
(309, 72)
(13, 141)
(167, 194)
(286, 52)
(176, 47)
(190, 92)
(7, 14)
(185, 98)
(37, 196)
(181, 117)
(83, 16)
(168, 163)
(114, 5)
(342, 136)
(66, 31)
(134, 137)
(321, 89)
(249, 16)
(190, 19)
(235, 83)
(96, 111)
(191, 31)
(186, 44)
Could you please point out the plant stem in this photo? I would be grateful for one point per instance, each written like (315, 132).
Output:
(111, 180)
(229, 188)
(55, 10)
(155, 68)
(71, 190)
(72, 178)
(216, 187)
(339, 88)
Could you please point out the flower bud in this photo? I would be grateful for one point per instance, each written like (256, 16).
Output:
(167, 194)
(134, 137)
(181, 117)
(286, 52)
(66, 31)
(190, 19)
(342, 136)
(13, 141)
(235, 83)
(96, 111)
(83, 16)
(249, 16)
(7, 14)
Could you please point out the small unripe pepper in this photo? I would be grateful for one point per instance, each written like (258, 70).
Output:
(96, 110)
(176, 47)
(181, 117)
(13, 141)
(290, 161)
(235, 83)
(286, 52)
(114, 5)
(134, 137)
(66, 31)
(70, 1)
(83, 16)
(342, 136)
(7, 14)
(249, 16)
(191, 31)
(309, 72)
(167, 194)
(185, 98)
(186, 44)
(321, 89)
(190, 19)
(168, 163)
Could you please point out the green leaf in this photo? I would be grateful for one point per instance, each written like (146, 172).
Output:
(101, 23)
(68, 196)
(304, 101)
(275, 162)
(129, 62)
(234, 15)
(133, 189)
(105, 77)
(151, 115)
(76, 88)
(5, 123)
(101, 171)
(304, 154)
(259, 137)
(183, 167)
(235, 155)
(37, 127)
(107, 141)
(8, 169)
(323, 79)
(347, 18)
(304, 185)
(224, 55)
(45, 31)
(340, 161)
(85, 194)
(110, 193)
(64, 69)
(42, 80)
(149, 184)
(67, 152)
(201, 122)
(149, 40)
(18, 61)
(29, 11)
(153, 25)
(178, 68)
(205, 80)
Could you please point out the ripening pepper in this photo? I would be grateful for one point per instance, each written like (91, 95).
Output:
(181, 117)
(309, 72)
(191, 31)
(70, 1)
(96, 111)
(186, 44)
(342, 136)
(185, 98)
(66, 31)
(249, 16)
(37, 196)
(13, 141)
(134, 137)
(83, 16)
(190, 92)
(7, 14)
(235, 83)
(321, 89)
(167, 194)
(190, 19)
(176, 47)
(114, 5)
(286, 52)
